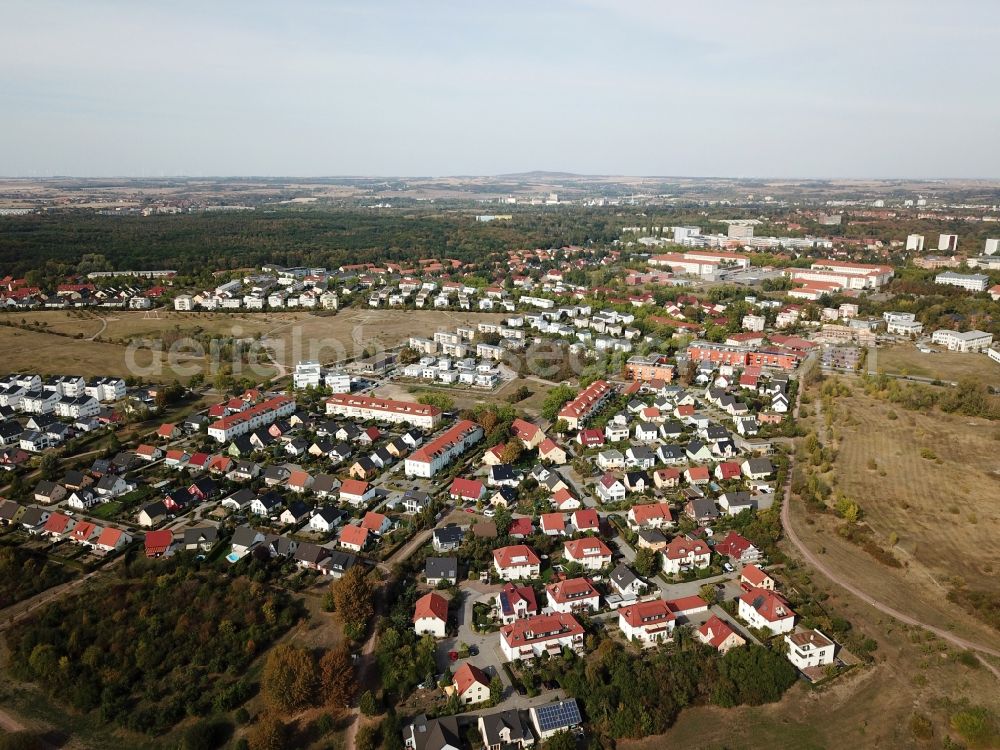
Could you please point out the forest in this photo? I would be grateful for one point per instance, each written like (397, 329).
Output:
(61, 244)
(157, 642)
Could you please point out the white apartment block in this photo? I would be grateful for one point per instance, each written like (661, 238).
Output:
(384, 410)
(948, 242)
(429, 459)
(337, 381)
(973, 282)
(307, 375)
(915, 243)
(963, 341)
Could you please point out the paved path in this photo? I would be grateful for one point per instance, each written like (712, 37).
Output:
(815, 562)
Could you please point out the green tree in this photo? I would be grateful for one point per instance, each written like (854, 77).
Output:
(645, 562)
(49, 466)
(367, 704)
(496, 689)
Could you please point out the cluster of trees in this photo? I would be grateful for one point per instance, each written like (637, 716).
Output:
(970, 398)
(24, 574)
(635, 695)
(295, 678)
(404, 659)
(154, 644)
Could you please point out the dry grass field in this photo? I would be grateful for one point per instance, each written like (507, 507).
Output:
(905, 359)
(929, 487)
(63, 344)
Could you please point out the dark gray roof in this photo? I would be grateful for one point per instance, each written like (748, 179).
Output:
(441, 567)
(510, 720)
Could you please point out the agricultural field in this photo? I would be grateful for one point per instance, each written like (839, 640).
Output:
(906, 359)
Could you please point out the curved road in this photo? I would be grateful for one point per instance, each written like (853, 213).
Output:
(814, 561)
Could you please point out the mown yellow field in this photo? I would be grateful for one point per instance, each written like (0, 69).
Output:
(905, 359)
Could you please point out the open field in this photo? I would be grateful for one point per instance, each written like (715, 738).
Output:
(905, 359)
(349, 332)
(936, 487)
(293, 336)
(869, 707)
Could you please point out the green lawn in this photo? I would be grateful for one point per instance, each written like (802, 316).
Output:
(108, 510)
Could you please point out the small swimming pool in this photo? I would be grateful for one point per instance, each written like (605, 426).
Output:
(232, 557)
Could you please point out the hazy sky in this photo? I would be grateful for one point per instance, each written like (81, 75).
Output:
(804, 88)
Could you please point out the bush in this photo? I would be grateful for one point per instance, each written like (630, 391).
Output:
(367, 704)
(207, 734)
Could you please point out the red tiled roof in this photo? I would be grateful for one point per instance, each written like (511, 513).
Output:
(729, 469)
(647, 614)
(733, 545)
(373, 521)
(572, 589)
(355, 535)
(681, 547)
(515, 554)
(651, 511)
(769, 604)
(753, 575)
(470, 489)
(716, 630)
(552, 522)
(353, 487)
(541, 628)
(579, 549)
(586, 518)
(432, 606)
(525, 430)
(444, 441)
(109, 537)
(468, 675)
(158, 542)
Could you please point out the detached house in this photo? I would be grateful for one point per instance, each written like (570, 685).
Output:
(515, 562)
(430, 615)
(515, 603)
(589, 553)
(549, 450)
(542, 634)
(738, 549)
(353, 537)
(610, 489)
(649, 516)
(809, 649)
(573, 595)
(765, 609)
(717, 633)
(471, 684)
(648, 623)
(683, 553)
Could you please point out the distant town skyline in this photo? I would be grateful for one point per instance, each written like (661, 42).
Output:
(891, 89)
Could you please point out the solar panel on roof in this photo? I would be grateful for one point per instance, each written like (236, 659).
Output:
(558, 715)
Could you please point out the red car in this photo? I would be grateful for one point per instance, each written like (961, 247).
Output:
(453, 656)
